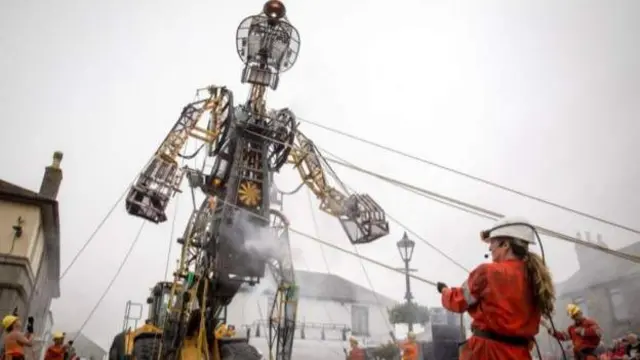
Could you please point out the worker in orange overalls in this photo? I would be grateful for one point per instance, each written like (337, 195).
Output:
(221, 330)
(15, 340)
(584, 334)
(231, 331)
(58, 350)
(410, 347)
(356, 352)
(505, 298)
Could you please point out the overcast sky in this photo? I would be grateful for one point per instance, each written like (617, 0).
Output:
(537, 95)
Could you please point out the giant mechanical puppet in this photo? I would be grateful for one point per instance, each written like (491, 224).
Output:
(245, 145)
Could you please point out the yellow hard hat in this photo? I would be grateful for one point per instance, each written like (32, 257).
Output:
(221, 330)
(8, 321)
(573, 309)
(58, 335)
(353, 340)
(411, 335)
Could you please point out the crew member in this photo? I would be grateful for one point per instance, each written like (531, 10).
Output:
(618, 350)
(70, 353)
(632, 350)
(584, 334)
(356, 352)
(15, 340)
(56, 351)
(221, 331)
(410, 347)
(505, 298)
(231, 331)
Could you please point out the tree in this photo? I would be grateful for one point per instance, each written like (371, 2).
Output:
(410, 312)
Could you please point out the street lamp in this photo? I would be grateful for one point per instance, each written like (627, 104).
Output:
(405, 248)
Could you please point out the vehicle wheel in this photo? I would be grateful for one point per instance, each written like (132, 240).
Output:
(146, 348)
(117, 350)
(239, 351)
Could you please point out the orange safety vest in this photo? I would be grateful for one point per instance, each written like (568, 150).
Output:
(55, 352)
(12, 350)
(356, 353)
(409, 351)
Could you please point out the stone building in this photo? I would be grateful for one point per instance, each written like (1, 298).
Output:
(30, 247)
(605, 287)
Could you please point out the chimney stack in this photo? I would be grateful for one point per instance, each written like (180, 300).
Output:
(52, 177)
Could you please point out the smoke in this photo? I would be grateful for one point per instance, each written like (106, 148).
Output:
(259, 238)
(261, 243)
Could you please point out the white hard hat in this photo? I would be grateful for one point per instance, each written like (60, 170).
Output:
(513, 227)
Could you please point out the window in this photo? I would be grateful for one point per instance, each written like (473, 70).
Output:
(582, 304)
(619, 306)
(359, 320)
(162, 307)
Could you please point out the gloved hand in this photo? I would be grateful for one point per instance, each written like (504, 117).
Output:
(30, 325)
(580, 331)
(441, 286)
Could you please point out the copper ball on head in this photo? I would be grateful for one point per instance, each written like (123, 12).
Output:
(274, 9)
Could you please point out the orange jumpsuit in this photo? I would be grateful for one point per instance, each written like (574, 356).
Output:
(505, 319)
(356, 353)
(583, 344)
(55, 352)
(13, 350)
(409, 350)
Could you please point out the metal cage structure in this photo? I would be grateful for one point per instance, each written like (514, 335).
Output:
(268, 45)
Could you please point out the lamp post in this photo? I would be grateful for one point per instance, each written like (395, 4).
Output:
(405, 248)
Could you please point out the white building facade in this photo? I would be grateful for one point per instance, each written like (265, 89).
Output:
(330, 309)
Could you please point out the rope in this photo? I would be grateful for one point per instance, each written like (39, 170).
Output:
(364, 269)
(316, 231)
(95, 231)
(472, 177)
(413, 233)
(171, 234)
(368, 259)
(330, 245)
(478, 211)
(113, 280)
(173, 227)
(471, 209)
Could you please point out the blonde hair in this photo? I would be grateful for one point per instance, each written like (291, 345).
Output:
(542, 288)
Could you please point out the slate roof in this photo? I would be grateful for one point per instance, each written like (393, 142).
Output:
(324, 286)
(51, 223)
(606, 269)
(86, 347)
(13, 192)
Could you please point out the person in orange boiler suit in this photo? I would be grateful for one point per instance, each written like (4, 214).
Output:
(584, 334)
(56, 351)
(356, 352)
(505, 298)
(410, 347)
